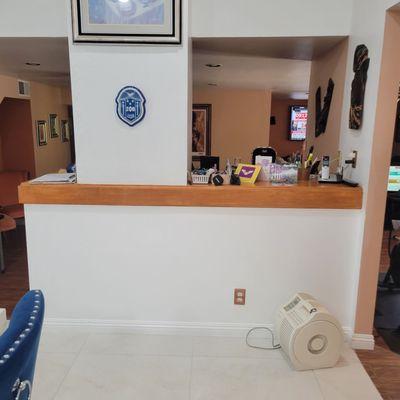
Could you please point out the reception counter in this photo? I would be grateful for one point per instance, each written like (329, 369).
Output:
(306, 195)
(168, 258)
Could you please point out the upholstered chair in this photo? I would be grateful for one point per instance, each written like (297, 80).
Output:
(19, 346)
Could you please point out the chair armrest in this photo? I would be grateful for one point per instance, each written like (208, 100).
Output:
(3, 321)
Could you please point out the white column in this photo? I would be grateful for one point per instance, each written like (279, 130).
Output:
(109, 151)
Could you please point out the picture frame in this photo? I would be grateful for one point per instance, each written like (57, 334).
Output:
(248, 173)
(41, 132)
(65, 131)
(201, 130)
(127, 21)
(54, 126)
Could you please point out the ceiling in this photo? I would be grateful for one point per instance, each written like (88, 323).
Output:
(281, 65)
(285, 78)
(295, 48)
(51, 53)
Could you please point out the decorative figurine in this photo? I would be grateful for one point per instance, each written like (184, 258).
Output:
(322, 115)
(360, 68)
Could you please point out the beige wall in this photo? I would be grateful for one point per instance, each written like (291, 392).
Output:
(8, 87)
(240, 121)
(16, 136)
(47, 100)
(331, 65)
(279, 133)
(377, 186)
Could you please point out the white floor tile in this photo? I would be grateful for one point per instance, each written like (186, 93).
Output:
(232, 347)
(110, 377)
(250, 378)
(51, 369)
(347, 381)
(103, 343)
(80, 364)
(62, 340)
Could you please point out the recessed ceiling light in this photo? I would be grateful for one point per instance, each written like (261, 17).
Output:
(214, 65)
(124, 1)
(32, 64)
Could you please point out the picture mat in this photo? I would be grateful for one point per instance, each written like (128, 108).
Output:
(125, 28)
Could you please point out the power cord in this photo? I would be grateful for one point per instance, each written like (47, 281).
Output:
(274, 346)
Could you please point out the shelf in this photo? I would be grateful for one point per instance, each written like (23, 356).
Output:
(261, 195)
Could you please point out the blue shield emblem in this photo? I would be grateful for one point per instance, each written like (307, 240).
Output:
(131, 105)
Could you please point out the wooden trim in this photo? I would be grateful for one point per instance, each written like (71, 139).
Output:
(260, 195)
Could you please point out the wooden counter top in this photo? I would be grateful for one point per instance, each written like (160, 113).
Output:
(260, 195)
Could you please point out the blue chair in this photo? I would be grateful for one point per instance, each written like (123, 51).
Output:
(19, 346)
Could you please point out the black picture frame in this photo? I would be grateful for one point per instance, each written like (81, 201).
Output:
(54, 126)
(201, 130)
(41, 132)
(173, 38)
(65, 131)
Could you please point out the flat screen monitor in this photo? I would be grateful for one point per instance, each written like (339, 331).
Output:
(298, 122)
(394, 179)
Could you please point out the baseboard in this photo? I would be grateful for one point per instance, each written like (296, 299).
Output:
(168, 328)
(157, 327)
(362, 342)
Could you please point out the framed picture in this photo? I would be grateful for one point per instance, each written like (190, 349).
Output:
(127, 21)
(54, 127)
(41, 132)
(65, 132)
(201, 130)
(248, 173)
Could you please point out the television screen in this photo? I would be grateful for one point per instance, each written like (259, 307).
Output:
(298, 122)
(394, 179)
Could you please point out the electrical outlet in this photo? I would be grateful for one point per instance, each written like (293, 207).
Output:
(239, 297)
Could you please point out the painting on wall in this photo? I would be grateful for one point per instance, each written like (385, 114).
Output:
(127, 21)
(360, 68)
(322, 112)
(65, 132)
(54, 127)
(41, 133)
(201, 130)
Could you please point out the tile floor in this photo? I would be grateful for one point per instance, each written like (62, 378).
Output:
(76, 364)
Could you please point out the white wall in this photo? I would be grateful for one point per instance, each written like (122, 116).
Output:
(210, 18)
(153, 250)
(367, 28)
(180, 265)
(109, 151)
(26, 18)
(368, 25)
(231, 18)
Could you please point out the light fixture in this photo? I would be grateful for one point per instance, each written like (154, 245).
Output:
(124, 1)
(214, 65)
(32, 64)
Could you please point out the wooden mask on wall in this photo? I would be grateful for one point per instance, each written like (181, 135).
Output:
(360, 68)
(322, 113)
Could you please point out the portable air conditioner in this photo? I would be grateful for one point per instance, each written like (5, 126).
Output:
(309, 335)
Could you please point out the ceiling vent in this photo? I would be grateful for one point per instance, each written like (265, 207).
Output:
(24, 88)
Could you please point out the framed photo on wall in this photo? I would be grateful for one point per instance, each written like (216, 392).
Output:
(65, 132)
(41, 132)
(201, 130)
(54, 127)
(127, 21)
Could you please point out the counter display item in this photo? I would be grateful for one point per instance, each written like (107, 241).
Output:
(248, 173)
(282, 174)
